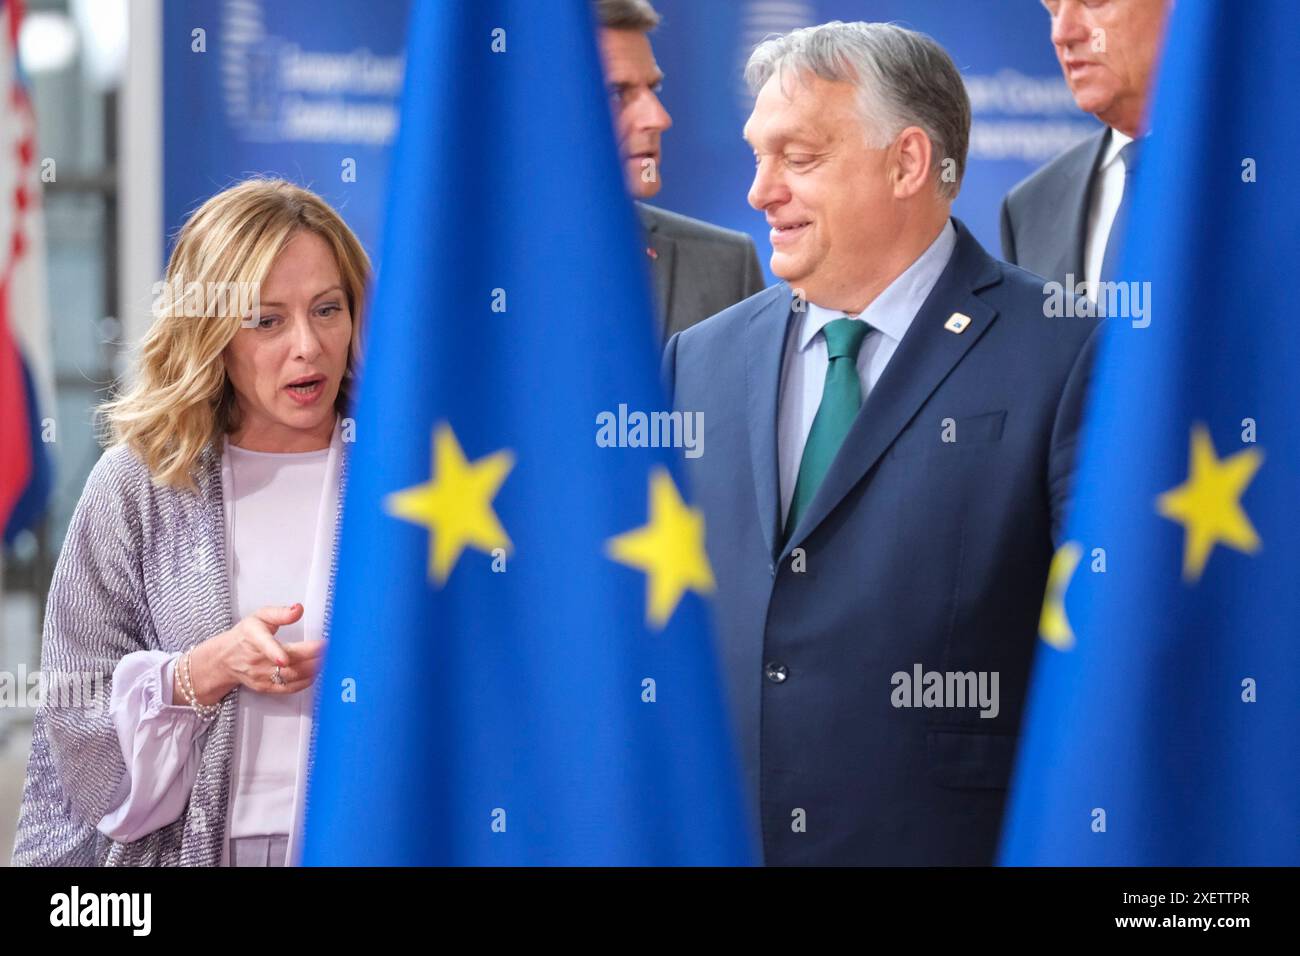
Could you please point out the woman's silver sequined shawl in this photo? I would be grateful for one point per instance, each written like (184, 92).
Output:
(142, 567)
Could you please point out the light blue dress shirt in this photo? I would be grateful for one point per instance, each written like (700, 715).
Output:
(803, 370)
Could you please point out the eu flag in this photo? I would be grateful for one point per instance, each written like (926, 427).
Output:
(520, 667)
(1164, 719)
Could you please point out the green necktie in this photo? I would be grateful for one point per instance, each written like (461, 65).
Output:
(841, 399)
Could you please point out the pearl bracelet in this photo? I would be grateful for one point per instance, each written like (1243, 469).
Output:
(206, 711)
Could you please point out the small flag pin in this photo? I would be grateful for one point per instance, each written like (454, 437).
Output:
(957, 323)
(650, 251)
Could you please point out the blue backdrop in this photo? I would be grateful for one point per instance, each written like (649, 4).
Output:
(1023, 114)
(295, 88)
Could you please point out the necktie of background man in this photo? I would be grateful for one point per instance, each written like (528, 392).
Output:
(1130, 156)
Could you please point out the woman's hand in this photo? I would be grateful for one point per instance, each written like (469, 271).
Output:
(248, 654)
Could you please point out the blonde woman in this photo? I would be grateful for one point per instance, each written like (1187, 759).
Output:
(199, 562)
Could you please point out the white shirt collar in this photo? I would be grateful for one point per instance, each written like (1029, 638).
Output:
(892, 312)
(1114, 144)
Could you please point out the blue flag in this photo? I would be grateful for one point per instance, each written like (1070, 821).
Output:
(520, 667)
(1164, 719)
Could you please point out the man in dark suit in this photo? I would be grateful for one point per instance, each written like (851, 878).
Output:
(890, 434)
(698, 268)
(1058, 222)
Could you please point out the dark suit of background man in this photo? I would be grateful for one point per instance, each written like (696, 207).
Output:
(1058, 222)
(849, 538)
(699, 269)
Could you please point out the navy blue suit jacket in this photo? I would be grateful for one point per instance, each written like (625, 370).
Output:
(915, 550)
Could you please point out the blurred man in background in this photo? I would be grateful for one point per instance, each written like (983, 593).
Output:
(699, 269)
(1059, 221)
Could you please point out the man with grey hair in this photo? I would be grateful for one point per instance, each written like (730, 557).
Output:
(698, 268)
(891, 434)
(1059, 222)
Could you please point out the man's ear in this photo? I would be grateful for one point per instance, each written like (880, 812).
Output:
(911, 155)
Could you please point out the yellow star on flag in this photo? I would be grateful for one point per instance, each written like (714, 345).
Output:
(456, 503)
(1208, 503)
(669, 549)
(1054, 625)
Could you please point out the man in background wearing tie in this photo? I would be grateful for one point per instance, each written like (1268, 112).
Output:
(1059, 221)
(698, 268)
(891, 434)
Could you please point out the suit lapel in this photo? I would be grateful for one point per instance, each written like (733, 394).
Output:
(765, 335)
(665, 258)
(662, 252)
(923, 360)
(1077, 193)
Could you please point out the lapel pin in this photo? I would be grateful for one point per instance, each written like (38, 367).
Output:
(957, 323)
(651, 252)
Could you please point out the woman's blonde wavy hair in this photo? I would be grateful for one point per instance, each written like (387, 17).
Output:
(181, 398)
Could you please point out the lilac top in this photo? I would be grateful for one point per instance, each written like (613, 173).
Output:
(275, 537)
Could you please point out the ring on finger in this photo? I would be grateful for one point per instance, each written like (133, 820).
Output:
(277, 678)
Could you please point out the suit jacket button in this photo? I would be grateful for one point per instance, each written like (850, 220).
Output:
(777, 673)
